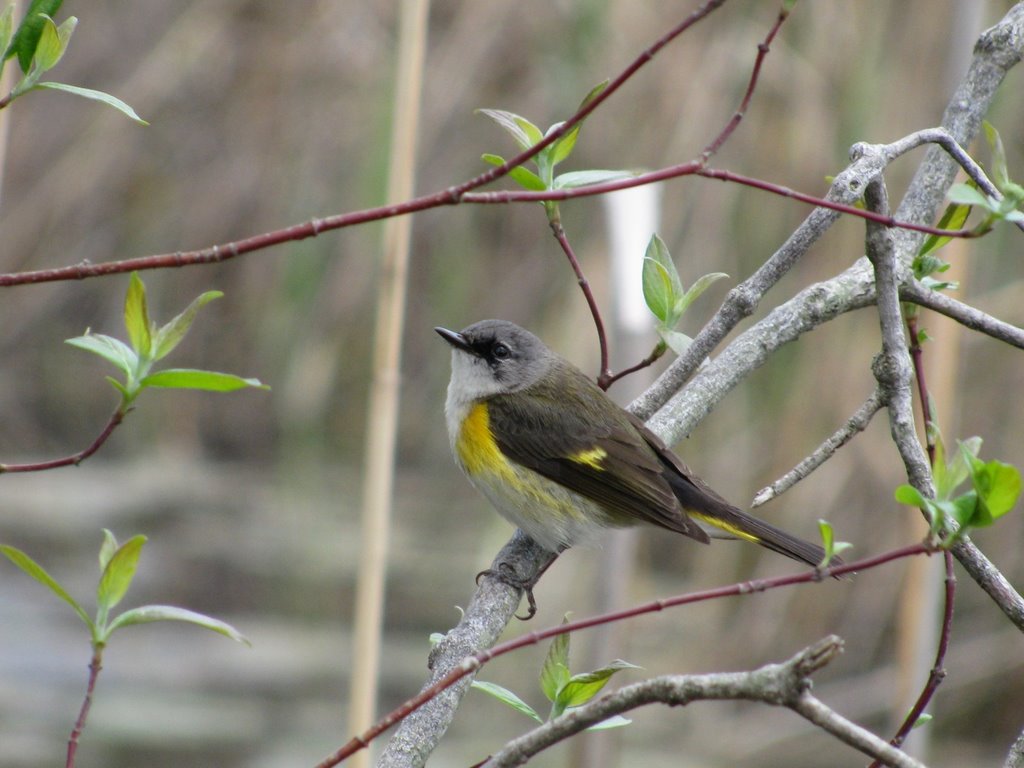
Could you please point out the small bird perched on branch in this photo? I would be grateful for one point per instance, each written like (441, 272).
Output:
(562, 461)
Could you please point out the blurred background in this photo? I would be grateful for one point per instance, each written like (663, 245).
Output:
(264, 114)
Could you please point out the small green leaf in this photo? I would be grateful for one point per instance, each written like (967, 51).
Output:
(100, 96)
(1001, 176)
(965, 194)
(171, 334)
(52, 43)
(119, 572)
(107, 549)
(506, 696)
(829, 544)
(998, 486)
(574, 179)
(615, 721)
(677, 341)
(580, 689)
(110, 349)
(522, 176)
(26, 39)
(126, 394)
(657, 250)
(592, 94)
(694, 291)
(563, 147)
(525, 133)
(910, 496)
(954, 217)
(37, 572)
(527, 179)
(136, 317)
(6, 29)
(964, 509)
(924, 719)
(555, 672)
(210, 381)
(827, 535)
(149, 613)
(956, 469)
(661, 284)
(657, 287)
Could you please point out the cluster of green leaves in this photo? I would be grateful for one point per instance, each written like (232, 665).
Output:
(666, 297)
(39, 44)
(151, 343)
(563, 689)
(527, 135)
(995, 488)
(117, 569)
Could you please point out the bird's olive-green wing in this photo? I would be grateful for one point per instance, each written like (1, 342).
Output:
(588, 444)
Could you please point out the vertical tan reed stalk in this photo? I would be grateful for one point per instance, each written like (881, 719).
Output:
(382, 413)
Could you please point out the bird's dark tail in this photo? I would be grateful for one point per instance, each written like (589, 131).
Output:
(707, 507)
(741, 525)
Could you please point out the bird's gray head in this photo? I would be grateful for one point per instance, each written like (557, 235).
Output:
(492, 357)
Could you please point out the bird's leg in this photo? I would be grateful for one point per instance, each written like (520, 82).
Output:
(506, 574)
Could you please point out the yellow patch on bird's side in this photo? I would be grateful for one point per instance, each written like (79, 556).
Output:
(735, 531)
(476, 447)
(591, 457)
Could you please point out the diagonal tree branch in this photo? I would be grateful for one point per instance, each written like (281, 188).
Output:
(787, 685)
(857, 423)
(969, 317)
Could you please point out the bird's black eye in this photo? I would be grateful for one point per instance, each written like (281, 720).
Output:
(501, 351)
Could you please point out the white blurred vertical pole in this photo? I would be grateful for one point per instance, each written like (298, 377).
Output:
(382, 411)
(632, 217)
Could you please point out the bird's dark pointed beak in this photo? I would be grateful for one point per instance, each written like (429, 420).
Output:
(457, 340)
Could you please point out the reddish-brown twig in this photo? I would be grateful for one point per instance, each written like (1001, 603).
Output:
(938, 670)
(94, 670)
(74, 459)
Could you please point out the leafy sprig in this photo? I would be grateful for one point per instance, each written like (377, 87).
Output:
(527, 135)
(995, 488)
(665, 295)
(150, 343)
(39, 44)
(561, 687)
(118, 563)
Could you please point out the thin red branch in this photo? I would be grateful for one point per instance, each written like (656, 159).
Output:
(74, 459)
(471, 664)
(694, 168)
(938, 670)
(655, 355)
(450, 196)
(917, 358)
(602, 337)
(95, 665)
(762, 52)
